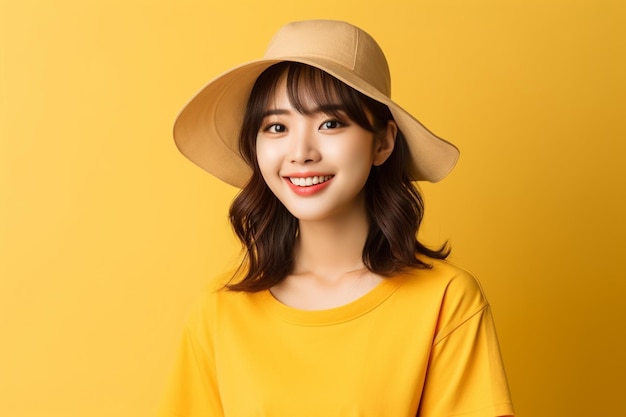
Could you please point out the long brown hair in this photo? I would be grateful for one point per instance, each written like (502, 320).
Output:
(266, 228)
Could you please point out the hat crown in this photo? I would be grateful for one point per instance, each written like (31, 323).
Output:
(338, 42)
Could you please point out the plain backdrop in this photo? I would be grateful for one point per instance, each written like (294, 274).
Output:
(108, 234)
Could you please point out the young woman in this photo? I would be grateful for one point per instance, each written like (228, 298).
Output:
(337, 309)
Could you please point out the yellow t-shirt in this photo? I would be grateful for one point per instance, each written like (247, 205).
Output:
(421, 343)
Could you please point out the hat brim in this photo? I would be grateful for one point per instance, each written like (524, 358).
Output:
(207, 129)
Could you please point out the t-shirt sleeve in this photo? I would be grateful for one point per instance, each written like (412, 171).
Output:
(466, 375)
(193, 389)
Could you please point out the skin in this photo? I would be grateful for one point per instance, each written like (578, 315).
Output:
(333, 222)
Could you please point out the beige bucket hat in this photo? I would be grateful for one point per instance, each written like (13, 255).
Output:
(207, 129)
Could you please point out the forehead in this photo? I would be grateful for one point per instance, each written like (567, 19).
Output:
(304, 89)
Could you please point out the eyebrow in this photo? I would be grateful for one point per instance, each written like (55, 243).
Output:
(271, 112)
(324, 108)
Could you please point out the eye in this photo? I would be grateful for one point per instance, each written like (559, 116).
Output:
(275, 128)
(331, 124)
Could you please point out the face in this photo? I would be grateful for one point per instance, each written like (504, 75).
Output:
(316, 164)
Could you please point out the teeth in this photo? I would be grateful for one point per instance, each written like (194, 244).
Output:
(308, 181)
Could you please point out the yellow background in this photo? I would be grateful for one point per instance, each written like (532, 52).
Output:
(107, 233)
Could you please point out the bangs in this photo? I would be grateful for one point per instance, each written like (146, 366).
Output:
(310, 89)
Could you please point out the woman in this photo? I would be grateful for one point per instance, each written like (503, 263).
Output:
(337, 309)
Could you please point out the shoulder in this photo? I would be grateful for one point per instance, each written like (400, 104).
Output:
(204, 307)
(452, 294)
(459, 282)
(446, 280)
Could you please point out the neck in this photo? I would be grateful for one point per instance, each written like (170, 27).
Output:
(331, 247)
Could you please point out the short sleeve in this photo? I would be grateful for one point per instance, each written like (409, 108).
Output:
(193, 388)
(466, 375)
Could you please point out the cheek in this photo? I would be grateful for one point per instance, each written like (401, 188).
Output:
(358, 155)
(261, 154)
(267, 158)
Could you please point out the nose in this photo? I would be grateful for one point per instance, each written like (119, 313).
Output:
(304, 147)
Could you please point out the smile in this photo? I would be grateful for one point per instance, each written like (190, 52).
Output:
(309, 181)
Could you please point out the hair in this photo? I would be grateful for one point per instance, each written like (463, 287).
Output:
(268, 231)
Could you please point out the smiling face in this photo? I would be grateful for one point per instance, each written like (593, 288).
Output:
(310, 151)
(315, 163)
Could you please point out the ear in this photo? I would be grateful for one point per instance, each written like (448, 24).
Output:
(385, 143)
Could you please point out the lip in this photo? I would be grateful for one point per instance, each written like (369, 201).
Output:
(308, 190)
